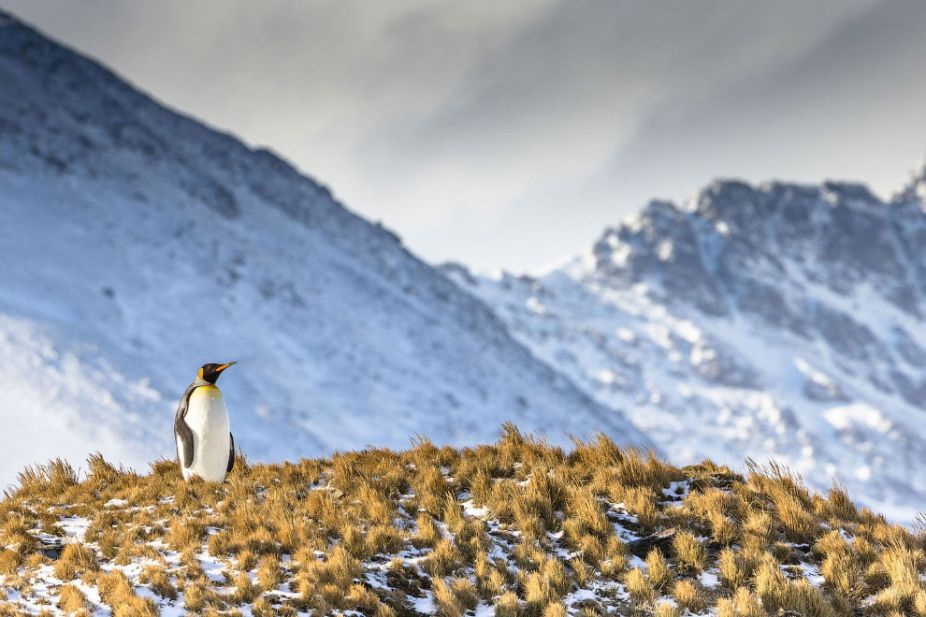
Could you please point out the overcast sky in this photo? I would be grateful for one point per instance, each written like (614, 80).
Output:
(509, 134)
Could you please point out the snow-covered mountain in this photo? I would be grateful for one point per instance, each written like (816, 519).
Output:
(137, 244)
(776, 321)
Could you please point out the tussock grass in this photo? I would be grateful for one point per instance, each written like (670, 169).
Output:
(779, 593)
(269, 576)
(743, 603)
(9, 560)
(658, 571)
(520, 526)
(688, 596)
(117, 592)
(74, 559)
(689, 552)
(71, 600)
(453, 599)
(159, 580)
(667, 609)
(735, 568)
(639, 587)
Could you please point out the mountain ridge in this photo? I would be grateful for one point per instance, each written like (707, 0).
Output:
(147, 244)
(781, 317)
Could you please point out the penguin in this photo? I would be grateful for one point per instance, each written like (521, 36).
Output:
(205, 445)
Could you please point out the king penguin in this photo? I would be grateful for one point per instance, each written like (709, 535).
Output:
(205, 446)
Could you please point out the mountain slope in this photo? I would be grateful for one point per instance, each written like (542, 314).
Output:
(138, 244)
(776, 321)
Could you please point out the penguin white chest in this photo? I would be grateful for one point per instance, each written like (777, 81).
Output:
(207, 418)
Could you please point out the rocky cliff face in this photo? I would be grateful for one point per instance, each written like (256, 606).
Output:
(137, 244)
(779, 321)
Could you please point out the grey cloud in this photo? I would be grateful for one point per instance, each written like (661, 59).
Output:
(852, 107)
(508, 134)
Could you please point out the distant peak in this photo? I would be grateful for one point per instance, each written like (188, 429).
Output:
(723, 199)
(9, 20)
(915, 190)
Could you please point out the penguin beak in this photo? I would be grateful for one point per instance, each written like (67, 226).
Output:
(222, 367)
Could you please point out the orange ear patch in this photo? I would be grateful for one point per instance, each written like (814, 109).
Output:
(200, 373)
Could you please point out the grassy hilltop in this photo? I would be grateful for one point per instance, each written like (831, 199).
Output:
(515, 528)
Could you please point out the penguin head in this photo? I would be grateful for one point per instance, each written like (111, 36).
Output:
(209, 373)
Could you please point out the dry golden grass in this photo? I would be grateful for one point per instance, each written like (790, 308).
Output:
(658, 571)
(71, 600)
(453, 599)
(159, 580)
(640, 589)
(555, 609)
(444, 558)
(689, 596)
(667, 609)
(734, 568)
(378, 532)
(268, 573)
(545, 586)
(9, 560)
(743, 603)
(642, 501)
(689, 552)
(117, 592)
(73, 561)
(245, 590)
(197, 595)
(428, 533)
(905, 592)
(507, 605)
(778, 593)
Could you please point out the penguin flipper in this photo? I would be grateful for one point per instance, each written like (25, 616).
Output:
(182, 430)
(231, 453)
(185, 435)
